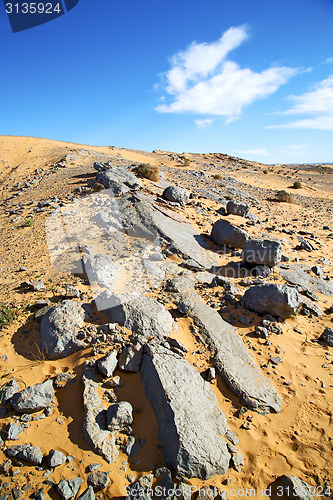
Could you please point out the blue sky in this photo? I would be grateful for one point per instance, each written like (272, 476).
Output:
(250, 78)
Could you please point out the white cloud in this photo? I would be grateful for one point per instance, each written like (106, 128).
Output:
(204, 123)
(255, 152)
(202, 80)
(329, 60)
(316, 105)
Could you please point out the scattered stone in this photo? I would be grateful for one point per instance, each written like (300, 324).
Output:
(224, 233)
(308, 307)
(61, 379)
(59, 329)
(176, 344)
(192, 446)
(275, 360)
(210, 374)
(35, 286)
(108, 364)
(33, 398)
(238, 208)
(297, 276)
(14, 430)
(25, 452)
(262, 252)
(327, 336)
(98, 480)
(141, 489)
(56, 458)
(176, 194)
(102, 269)
(68, 489)
(88, 494)
(278, 300)
(205, 493)
(114, 382)
(130, 358)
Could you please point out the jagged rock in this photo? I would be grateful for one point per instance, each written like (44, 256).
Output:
(59, 329)
(176, 344)
(33, 398)
(275, 299)
(204, 277)
(98, 480)
(56, 458)
(118, 179)
(232, 358)
(231, 436)
(238, 462)
(304, 281)
(176, 194)
(224, 233)
(8, 390)
(131, 447)
(141, 489)
(327, 336)
(14, 430)
(130, 358)
(190, 423)
(119, 416)
(95, 431)
(262, 252)
(142, 315)
(102, 269)
(238, 208)
(88, 494)
(25, 452)
(68, 489)
(291, 487)
(108, 364)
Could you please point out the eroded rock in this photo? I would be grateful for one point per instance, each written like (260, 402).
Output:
(275, 299)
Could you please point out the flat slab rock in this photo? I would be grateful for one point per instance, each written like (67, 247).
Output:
(142, 315)
(95, 431)
(59, 329)
(232, 358)
(304, 281)
(190, 423)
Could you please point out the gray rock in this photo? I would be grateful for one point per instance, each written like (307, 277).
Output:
(176, 194)
(68, 489)
(34, 398)
(98, 480)
(224, 233)
(56, 458)
(108, 364)
(95, 431)
(309, 307)
(59, 329)
(176, 344)
(119, 416)
(26, 453)
(291, 487)
(14, 430)
(8, 390)
(231, 436)
(238, 208)
(131, 447)
(262, 252)
(232, 359)
(118, 179)
(238, 462)
(278, 300)
(71, 291)
(204, 277)
(88, 494)
(102, 269)
(141, 489)
(205, 493)
(304, 281)
(142, 315)
(130, 358)
(190, 423)
(327, 336)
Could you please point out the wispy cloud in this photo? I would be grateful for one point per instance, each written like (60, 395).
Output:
(202, 80)
(316, 106)
(329, 60)
(255, 152)
(205, 123)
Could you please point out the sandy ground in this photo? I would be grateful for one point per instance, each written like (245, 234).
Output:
(298, 441)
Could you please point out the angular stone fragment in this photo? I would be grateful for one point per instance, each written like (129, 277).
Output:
(108, 364)
(59, 329)
(297, 276)
(238, 208)
(275, 299)
(232, 358)
(68, 489)
(88, 494)
(176, 194)
(142, 315)
(26, 452)
(14, 430)
(190, 423)
(99, 480)
(34, 398)
(262, 252)
(56, 458)
(119, 416)
(224, 233)
(130, 358)
(101, 269)
(8, 390)
(95, 431)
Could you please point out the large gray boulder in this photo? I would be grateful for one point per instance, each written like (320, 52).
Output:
(286, 487)
(224, 233)
(231, 357)
(238, 208)
(262, 252)
(176, 194)
(25, 452)
(275, 299)
(33, 398)
(142, 315)
(190, 423)
(95, 431)
(116, 178)
(59, 330)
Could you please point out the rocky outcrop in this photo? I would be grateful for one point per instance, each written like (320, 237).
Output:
(190, 423)
(224, 233)
(262, 252)
(34, 398)
(116, 178)
(59, 329)
(278, 300)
